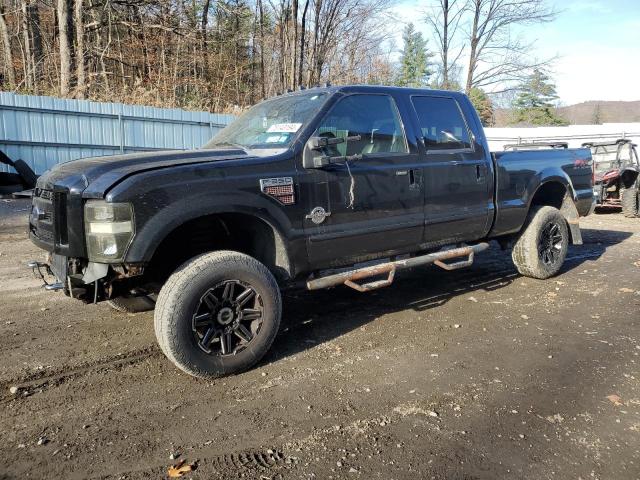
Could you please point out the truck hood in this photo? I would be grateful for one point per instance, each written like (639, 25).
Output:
(101, 173)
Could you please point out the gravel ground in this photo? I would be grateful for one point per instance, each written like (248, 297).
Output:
(473, 374)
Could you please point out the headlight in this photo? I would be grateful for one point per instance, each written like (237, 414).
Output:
(108, 229)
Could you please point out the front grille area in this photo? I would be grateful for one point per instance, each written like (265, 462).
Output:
(48, 220)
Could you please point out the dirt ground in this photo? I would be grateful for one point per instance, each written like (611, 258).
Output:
(473, 374)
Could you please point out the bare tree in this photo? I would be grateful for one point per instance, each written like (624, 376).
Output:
(444, 21)
(6, 48)
(202, 54)
(303, 27)
(65, 47)
(496, 56)
(31, 46)
(80, 50)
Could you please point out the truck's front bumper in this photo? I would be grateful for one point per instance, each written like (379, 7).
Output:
(55, 266)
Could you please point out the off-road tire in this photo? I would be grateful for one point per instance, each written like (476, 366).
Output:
(526, 251)
(179, 300)
(630, 199)
(143, 303)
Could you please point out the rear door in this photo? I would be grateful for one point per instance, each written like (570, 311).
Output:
(457, 174)
(373, 204)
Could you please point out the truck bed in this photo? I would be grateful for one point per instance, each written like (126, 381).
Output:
(519, 173)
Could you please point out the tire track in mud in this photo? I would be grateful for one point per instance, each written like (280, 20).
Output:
(60, 376)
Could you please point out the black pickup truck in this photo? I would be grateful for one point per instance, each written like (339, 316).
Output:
(316, 188)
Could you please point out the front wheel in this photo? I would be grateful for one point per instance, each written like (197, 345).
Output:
(218, 314)
(542, 246)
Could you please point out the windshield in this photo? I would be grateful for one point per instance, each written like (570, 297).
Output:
(272, 124)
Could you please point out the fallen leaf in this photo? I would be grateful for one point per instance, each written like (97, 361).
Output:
(615, 399)
(179, 469)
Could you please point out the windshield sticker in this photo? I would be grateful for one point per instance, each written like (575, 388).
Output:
(284, 127)
(276, 139)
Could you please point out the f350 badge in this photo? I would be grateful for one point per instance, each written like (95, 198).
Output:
(317, 215)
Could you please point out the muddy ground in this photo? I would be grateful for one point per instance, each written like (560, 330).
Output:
(474, 374)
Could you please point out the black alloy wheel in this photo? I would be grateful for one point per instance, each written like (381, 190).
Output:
(228, 317)
(550, 244)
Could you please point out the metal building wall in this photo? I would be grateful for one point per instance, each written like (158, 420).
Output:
(44, 131)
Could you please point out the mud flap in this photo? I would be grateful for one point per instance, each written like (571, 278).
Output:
(570, 213)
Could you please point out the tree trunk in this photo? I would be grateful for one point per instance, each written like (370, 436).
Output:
(80, 61)
(303, 27)
(28, 51)
(473, 54)
(445, 46)
(6, 50)
(65, 47)
(294, 45)
(262, 76)
(203, 33)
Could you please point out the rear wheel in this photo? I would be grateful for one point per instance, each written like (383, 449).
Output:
(630, 202)
(542, 246)
(218, 314)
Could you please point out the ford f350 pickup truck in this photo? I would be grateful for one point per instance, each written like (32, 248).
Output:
(316, 188)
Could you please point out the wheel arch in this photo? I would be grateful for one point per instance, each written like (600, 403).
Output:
(239, 229)
(556, 191)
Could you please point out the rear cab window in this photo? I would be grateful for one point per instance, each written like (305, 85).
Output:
(442, 124)
(372, 117)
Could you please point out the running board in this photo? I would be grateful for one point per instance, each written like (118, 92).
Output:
(350, 277)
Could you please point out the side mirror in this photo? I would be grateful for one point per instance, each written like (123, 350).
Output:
(314, 155)
(318, 143)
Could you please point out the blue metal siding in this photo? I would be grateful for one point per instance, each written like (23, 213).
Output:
(44, 131)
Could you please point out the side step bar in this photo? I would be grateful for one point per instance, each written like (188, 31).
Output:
(350, 277)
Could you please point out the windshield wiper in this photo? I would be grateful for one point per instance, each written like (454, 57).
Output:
(236, 145)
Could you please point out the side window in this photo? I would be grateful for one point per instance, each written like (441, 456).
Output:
(374, 118)
(441, 122)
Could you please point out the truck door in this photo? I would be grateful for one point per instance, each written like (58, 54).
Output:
(370, 205)
(458, 183)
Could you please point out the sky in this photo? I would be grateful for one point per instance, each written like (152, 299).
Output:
(597, 43)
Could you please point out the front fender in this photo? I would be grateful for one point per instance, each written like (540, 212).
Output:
(151, 230)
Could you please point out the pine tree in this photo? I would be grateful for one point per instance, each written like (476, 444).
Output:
(597, 115)
(482, 104)
(534, 103)
(414, 63)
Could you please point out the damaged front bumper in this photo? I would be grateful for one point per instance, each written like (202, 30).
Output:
(87, 281)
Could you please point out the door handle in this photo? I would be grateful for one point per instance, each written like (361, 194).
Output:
(479, 173)
(410, 173)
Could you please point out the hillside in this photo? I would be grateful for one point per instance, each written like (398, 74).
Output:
(588, 113)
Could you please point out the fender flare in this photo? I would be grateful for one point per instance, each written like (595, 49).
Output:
(170, 217)
(568, 207)
(546, 176)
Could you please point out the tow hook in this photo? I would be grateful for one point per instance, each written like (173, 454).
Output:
(36, 266)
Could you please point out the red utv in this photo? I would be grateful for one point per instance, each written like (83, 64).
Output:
(615, 175)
